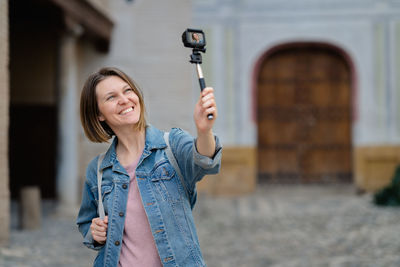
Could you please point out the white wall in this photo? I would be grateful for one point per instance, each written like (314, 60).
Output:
(368, 31)
(146, 44)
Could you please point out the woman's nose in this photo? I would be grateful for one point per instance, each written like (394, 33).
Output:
(122, 99)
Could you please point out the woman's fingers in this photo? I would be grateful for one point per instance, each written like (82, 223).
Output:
(207, 90)
(207, 98)
(99, 229)
(99, 222)
(99, 239)
(209, 103)
(209, 106)
(99, 232)
(207, 95)
(211, 110)
(205, 105)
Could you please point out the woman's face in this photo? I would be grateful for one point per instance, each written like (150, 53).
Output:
(118, 104)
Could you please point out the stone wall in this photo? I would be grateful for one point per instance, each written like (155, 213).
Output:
(375, 166)
(146, 44)
(240, 32)
(4, 118)
(237, 175)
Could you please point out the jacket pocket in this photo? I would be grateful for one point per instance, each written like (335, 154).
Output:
(165, 181)
(106, 190)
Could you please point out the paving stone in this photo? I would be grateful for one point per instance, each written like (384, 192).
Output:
(277, 226)
(295, 225)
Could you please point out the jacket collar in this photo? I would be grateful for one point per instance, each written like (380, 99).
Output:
(154, 140)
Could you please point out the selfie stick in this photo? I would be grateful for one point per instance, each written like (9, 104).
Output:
(195, 58)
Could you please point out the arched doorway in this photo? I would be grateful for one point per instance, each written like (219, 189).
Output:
(304, 114)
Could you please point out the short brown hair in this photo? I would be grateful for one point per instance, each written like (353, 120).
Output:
(95, 130)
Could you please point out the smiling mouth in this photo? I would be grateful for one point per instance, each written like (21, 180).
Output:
(126, 111)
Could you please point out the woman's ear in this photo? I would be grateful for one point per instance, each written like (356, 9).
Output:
(101, 117)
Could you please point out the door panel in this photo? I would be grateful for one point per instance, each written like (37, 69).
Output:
(303, 115)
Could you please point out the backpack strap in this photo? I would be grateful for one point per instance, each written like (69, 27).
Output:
(100, 207)
(172, 160)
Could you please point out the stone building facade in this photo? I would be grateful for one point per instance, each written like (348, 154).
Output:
(247, 37)
(54, 46)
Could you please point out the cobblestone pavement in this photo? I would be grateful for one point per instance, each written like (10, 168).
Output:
(299, 226)
(276, 226)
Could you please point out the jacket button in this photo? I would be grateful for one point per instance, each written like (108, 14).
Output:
(116, 243)
(124, 186)
(121, 214)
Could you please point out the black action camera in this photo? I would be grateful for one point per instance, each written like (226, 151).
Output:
(194, 38)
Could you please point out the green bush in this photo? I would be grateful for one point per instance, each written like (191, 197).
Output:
(390, 195)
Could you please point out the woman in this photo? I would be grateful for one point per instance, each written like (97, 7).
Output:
(195, 37)
(148, 218)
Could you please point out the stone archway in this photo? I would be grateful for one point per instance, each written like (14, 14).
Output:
(303, 99)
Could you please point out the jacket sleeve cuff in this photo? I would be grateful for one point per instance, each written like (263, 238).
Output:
(207, 162)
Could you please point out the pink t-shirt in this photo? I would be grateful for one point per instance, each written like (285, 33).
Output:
(138, 246)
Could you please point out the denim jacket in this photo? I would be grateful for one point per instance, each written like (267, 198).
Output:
(166, 204)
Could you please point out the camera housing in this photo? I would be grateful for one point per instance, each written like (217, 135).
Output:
(194, 38)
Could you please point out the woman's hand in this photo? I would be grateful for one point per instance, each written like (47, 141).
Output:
(206, 105)
(99, 229)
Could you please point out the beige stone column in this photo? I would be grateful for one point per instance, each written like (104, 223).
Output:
(4, 123)
(30, 208)
(68, 119)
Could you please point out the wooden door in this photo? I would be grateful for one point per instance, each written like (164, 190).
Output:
(304, 120)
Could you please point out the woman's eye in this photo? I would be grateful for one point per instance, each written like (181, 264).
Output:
(128, 90)
(110, 97)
